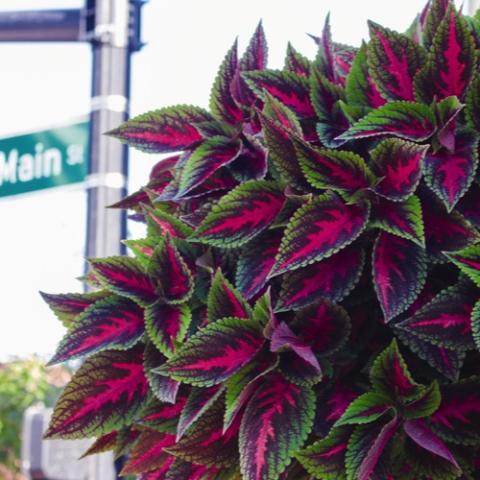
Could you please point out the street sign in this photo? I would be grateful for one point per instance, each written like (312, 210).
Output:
(44, 159)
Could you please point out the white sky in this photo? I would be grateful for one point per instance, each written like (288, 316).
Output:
(42, 236)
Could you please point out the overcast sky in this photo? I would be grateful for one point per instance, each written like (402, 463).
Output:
(42, 236)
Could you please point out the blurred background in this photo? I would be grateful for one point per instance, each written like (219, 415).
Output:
(42, 241)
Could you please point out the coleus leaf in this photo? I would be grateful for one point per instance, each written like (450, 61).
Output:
(421, 463)
(222, 104)
(105, 394)
(278, 113)
(450, 174)
(148, 454)
(476, 324)
(468, 261)
(445, 321)
(125, 440)
(108, 324)
(365, 409)
(256, 261)
(332, 278)
(164, 388)
(472, 107)
(433, 15)
(398, 164)
(206, 159)
(256, 54)
(254, 58)
(338, 170)
(324, 326)
(344, 56)
(105, 443)
(160, 416)
(206, 443)
(68, 306)
(451, 60)
(275, 424)
(252, 163)
(125, 277)
(319, 229)
(225, 301)
(160, 223)
(291, 89)
(457, 419)
(445, 231)
(423, 406)
(215, 353)
(361, 93)
(467, 206)
(198, 402)
(325, 97)
(181, 470)
(446, 111)
(326, 457)
(282, 153)
(446, 361)
(390, 376)
(297, 63)
(325, 55)
(419, 432)
(393, 61)
(403, 219)
(399, 273)
(332, 403)
(241, 386)
(167, 325)
(241, 214)
(170, 272)
(408, 120)
(298, 370)
(365, 448)
(284, 339)
(161, 131)
(142, 249)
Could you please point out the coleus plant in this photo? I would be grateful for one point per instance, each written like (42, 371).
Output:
(305, 302)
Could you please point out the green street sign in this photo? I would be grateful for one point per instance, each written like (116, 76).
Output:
(44, 159)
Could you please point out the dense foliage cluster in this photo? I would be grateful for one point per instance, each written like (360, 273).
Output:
(304, 304)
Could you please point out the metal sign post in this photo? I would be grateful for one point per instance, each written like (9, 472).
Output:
(113, 29)
(110, 95)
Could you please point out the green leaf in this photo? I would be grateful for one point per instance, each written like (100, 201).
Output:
(403, 219)
(165, 130)
(426, 404)
(215, 353)
(319, 229)
(468, 261)
(409, 120)
(390, 376)
(337, 170)
(361, 92)
(224, 300)
(167, 325)
(207, 158)
(476, 324)
(222, 104)
(365, 409)
(393, 61)
(325, 459)
(241, 214)
(168, 269)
